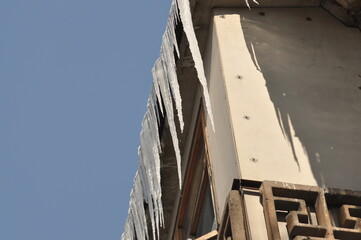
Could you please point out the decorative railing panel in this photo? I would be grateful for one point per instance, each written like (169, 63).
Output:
(309, 212)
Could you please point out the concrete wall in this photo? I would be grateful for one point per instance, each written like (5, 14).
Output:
(223, 157)
(285, 82)
(291, 78)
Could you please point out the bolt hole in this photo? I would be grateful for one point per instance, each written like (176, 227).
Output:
(254, 160)
(239, 77)
(246, 117)
(262, 13)
(309, 19)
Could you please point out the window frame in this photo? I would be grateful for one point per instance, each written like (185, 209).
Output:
(199, 140)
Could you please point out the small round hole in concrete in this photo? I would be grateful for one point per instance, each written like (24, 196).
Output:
(246, 117)
(254, 160)
(359, 88)
(239, 77)
(309, 19)
(262, 13)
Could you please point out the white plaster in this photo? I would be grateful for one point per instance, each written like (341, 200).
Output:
(222, 153)
(255, 217)
(295, 108)
(260, 137)
(299, 91)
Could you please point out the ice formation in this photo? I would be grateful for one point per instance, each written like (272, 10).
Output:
(247, 3)
(165, 92)
(186, 17)
(147, 180)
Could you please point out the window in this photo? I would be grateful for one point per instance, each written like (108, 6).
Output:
(205, 220)
(196, 215)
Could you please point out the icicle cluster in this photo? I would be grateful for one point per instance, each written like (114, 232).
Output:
(165, 91)
(147, 180)
(247, 3)
(186, 17)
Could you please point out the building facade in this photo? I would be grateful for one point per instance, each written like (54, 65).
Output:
(269, 147)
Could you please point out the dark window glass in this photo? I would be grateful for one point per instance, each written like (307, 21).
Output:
(206, 222)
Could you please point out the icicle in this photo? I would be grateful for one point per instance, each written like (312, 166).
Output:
(165, 91)
(186, 17)
(136, 214)
(147, 181)
(247, 3)
(150, 165)
(172, 22)
(161, 78)
(157, 93)
(167, 57)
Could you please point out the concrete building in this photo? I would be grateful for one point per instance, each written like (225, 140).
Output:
(282, 160)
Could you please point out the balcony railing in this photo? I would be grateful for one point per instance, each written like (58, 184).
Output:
(306, 212)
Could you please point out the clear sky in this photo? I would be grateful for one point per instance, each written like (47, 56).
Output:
(74, 82)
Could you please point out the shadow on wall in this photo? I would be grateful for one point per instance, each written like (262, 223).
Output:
(312, 67)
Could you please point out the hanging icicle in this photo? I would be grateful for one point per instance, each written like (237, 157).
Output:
(247, 3)
(186, 17)
(165, 92)
(147, 186)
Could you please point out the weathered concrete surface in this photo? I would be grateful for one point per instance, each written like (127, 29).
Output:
(233, 224)
(295, 110)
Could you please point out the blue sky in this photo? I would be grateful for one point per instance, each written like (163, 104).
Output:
(74, 82)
